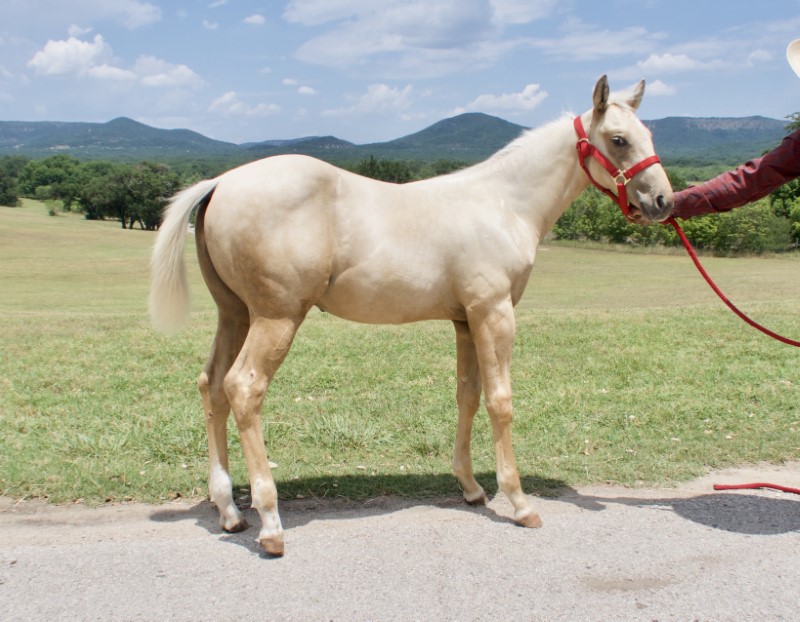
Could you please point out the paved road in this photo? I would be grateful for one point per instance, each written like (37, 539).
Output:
(603, 554)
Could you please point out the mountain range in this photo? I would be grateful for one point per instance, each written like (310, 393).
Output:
(468, 137)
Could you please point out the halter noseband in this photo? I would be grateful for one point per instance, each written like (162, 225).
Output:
(621, 177)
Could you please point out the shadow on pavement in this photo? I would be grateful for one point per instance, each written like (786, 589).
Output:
(748, 514)
(376, 496)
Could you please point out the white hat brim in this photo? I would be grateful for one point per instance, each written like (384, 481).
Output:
(793, 56)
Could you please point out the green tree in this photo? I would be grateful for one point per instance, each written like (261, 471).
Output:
(10, 169)
(8, 190)
(128, 193)
(443, 167)
(395, 171)
(95, 193)
(58, 173)
(99, 195)
(148, 189)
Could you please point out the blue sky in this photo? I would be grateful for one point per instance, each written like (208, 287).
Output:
(372, 70)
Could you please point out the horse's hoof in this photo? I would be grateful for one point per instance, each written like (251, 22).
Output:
(478, 498)
(531, 520)
(234, 526)
(272, 545)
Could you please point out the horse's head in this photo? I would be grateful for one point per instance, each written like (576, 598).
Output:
(616, 132)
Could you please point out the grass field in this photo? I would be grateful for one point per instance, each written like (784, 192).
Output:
(627, 369)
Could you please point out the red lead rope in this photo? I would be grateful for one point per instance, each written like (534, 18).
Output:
(688, 246)
(621, 178)
(756, 485)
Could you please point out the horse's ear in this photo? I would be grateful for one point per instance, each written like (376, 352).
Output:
(636, 95)
(600, 98)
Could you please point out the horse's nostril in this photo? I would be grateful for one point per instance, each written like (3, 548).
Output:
(661, 201)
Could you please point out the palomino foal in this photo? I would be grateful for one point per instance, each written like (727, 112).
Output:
(281, 235)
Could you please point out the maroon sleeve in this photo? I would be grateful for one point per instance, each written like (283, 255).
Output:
(744, 184)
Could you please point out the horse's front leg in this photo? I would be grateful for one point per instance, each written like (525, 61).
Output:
(468, 397)
(493, 330)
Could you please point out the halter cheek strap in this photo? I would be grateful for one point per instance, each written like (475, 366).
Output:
(621, 177)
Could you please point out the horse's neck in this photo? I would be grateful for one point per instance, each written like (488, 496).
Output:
(539, 173)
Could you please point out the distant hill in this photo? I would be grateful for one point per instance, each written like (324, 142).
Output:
(119, 139)
(471, 136)
(468, 137)
(325, 147)
(714, 139)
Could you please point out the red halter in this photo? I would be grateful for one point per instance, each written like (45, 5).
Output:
(621, 177)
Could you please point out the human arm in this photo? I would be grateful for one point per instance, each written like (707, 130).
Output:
(744, 184)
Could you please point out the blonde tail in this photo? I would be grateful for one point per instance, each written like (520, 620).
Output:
(169, 290)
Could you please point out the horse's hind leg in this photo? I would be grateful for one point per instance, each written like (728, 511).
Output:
(468, 397)
(231, 333)
(266, 346)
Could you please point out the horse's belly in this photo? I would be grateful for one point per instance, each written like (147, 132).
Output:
(391, 303)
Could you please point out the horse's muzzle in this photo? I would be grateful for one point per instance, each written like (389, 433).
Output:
(652, 208)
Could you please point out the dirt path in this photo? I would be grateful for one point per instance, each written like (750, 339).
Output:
(603, 554)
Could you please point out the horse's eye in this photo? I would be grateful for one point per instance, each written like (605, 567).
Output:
(619, 141)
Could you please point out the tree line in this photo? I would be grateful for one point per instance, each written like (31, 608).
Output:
(769, 225)
(136, 194)
(129, 193)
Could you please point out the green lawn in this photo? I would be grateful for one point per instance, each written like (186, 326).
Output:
(627, 369)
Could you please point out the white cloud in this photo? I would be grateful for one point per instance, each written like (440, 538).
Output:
(404, 37)
(72, 56)
(210, 25)
(78, 31)
(315, 12)
(229, 104)
(302, 89)
(659, 88)
(757, 56)
(107, 72)
(584, 42)
(95, 60)
(134, 14)
(527, 99)
(668, 63)
(153, 71)
(521, 11)
(255, 20)
(378, 98)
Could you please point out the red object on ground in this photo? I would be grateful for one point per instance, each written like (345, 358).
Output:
(756, 485)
